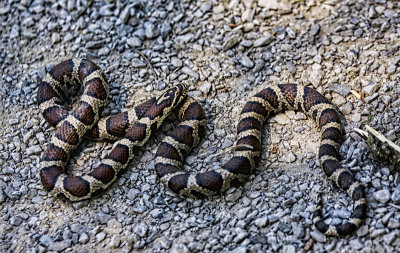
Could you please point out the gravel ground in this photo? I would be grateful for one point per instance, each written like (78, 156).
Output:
(227, 52)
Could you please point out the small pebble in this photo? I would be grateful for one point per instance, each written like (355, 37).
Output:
(263, 41)
(246, 62)
(382, 196)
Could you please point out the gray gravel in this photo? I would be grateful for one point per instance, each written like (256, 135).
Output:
(226, 52)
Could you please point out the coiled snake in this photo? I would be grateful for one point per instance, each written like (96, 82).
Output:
(133, 128)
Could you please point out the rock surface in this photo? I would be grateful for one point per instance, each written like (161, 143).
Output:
(225, 51)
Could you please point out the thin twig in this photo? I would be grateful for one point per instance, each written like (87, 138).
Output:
(83, 10)
(356, 94)
(382, 138)
(395, 206)
(148, 63)
(381, 147)
(378, 135)
(235, 25)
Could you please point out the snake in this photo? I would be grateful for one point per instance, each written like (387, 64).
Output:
(133, 128)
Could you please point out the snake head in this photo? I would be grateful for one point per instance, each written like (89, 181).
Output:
(173, 96)
(166, 103)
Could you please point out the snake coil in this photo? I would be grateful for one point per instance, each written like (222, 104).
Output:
(133, 128)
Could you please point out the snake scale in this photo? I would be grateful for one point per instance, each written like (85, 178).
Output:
(133, 128)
